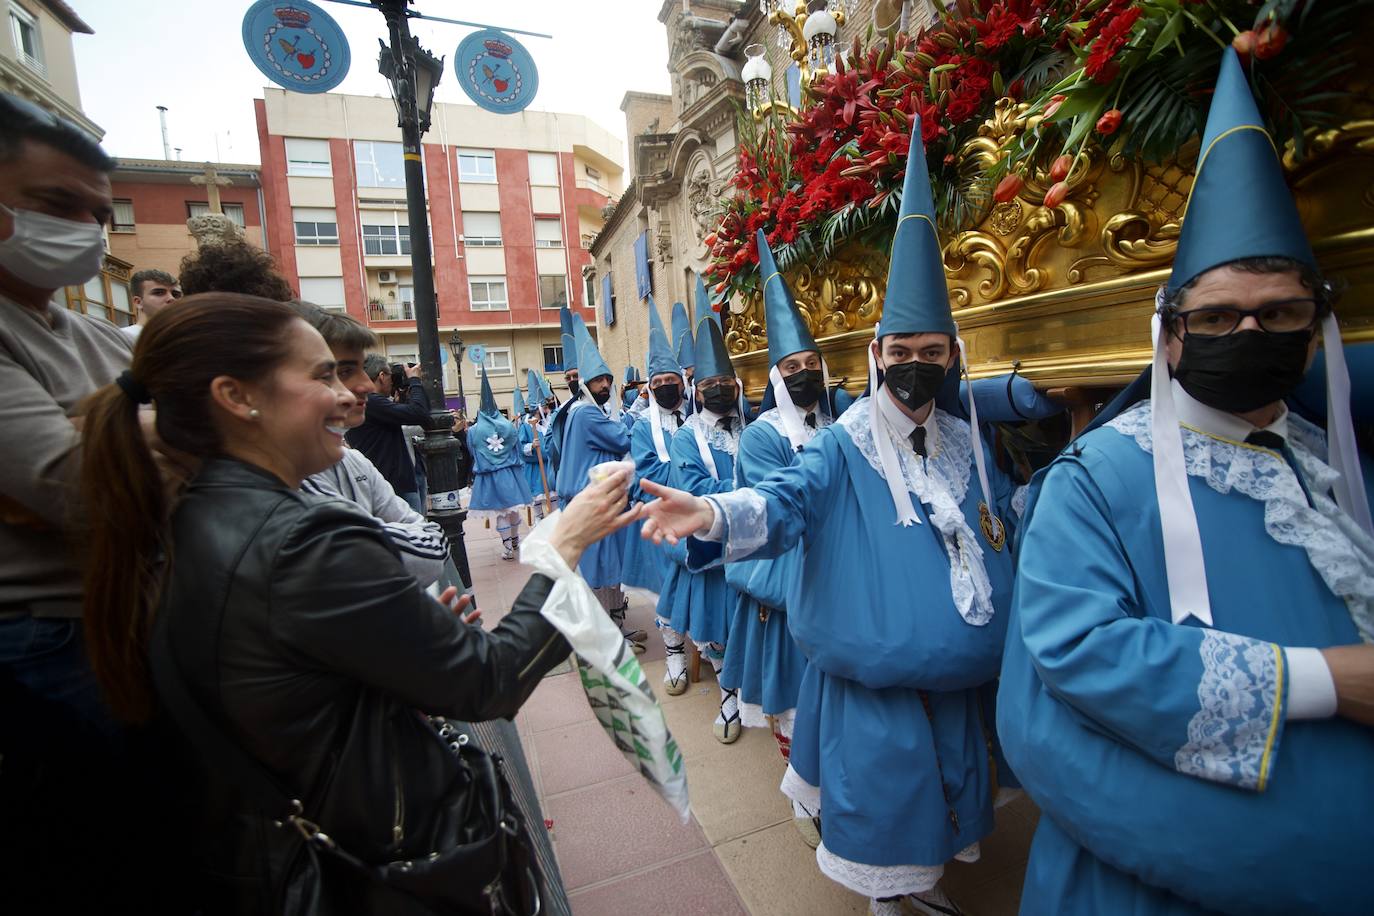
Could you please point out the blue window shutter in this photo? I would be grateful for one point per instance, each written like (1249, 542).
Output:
(643, 276)
(606, 302)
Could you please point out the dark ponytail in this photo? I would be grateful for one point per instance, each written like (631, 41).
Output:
(184, 347)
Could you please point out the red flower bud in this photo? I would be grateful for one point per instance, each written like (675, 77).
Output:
(720, 287)
(709, 241)
(1056, 194)
(1271, 40)
(1059, 169)
(1053, 105)
(1008, 188)
(1109, 122)
(1244, 43)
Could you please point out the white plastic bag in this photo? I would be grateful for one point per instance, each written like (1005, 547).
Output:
(615, 684)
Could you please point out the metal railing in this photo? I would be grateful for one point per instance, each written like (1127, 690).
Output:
(404, 311)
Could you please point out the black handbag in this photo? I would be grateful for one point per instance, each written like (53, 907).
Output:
(481, 860)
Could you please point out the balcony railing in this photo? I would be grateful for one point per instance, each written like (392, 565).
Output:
(593, 185)
(405, 311)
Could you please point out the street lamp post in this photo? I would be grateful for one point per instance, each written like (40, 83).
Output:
(413, 73)
(456, 348)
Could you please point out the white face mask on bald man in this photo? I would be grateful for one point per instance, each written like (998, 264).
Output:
(49, 252)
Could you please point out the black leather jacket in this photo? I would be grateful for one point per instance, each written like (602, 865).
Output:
(300, 632)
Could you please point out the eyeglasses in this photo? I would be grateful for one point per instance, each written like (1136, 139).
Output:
(1284, 316)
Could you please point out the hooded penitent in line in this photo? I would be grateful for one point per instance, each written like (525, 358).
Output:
(499, 489)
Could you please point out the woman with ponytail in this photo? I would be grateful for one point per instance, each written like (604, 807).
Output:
(287, 616)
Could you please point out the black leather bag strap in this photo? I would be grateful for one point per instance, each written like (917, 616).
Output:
(210, 741)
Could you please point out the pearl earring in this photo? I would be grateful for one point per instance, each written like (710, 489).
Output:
(254, 413)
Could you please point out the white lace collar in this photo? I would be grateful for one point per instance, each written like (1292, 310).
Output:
(1194, 413)
(903, 426)
(941, 483)
(1340, 552)
(703, 423)
(773, 417)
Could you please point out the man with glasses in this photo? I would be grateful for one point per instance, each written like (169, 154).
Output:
(1188, 688)
(152, 290)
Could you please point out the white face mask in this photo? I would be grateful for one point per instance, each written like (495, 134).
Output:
(49, 252)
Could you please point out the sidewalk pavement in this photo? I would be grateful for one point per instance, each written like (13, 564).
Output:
(623, 851)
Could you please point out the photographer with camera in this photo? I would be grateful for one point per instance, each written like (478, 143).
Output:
(381, 437)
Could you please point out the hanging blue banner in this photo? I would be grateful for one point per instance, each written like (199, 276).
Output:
(496, 71)
(296, 45)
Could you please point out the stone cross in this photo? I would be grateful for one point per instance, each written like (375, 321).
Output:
(212, 181)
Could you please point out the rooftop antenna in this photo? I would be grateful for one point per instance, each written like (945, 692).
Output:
(166, 146)
(178, 150)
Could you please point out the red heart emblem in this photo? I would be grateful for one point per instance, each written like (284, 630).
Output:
(305, 60)
(500, 85)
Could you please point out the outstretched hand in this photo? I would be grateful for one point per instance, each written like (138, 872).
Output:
(592, 515)
(675, 514)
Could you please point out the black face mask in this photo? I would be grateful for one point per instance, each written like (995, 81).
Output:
(668, 397)
(1242, 371)
(805, 387)
(720, 400)
(913, 383)
(575, 388)
(601, 397)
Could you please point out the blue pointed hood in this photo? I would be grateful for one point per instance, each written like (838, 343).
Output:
(517, 404)
(683, 344)
(787, 330)
(632, 375)
(704, 306)
(590, 365)
(1240, 206)
(568, 338)
(917, 300)
(534, 388)
(488, 404)
(662, 357)
(712, 358)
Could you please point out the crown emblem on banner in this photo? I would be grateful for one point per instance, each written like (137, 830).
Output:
(498, 48)
(291, 17)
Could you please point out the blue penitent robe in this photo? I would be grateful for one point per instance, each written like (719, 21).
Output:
(762, 660)
(647, 564)
(528, 436)
(900, 740)
(498, 483)
(590, 438)
(700, 603)
(1160, 754)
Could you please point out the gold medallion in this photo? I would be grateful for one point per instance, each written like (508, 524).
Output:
(994, 532)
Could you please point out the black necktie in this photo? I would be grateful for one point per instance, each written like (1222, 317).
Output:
(677, 415)
(724, 423)
(1265, 439)
(811, 419)
(918, 440)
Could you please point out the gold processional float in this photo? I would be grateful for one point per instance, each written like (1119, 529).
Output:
(1063, 294)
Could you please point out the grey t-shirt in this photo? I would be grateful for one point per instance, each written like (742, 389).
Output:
(49, 362)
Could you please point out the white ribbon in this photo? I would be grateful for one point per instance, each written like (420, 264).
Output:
(1183, 563)
(887, 455)
(979, 460)
(699, 434)
(1343, 454)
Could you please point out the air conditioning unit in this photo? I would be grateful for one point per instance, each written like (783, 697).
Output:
(386, 276)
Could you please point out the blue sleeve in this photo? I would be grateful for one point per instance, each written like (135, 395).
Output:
(767, 519)
(1142, 680)
(602, 433)
(761, 451)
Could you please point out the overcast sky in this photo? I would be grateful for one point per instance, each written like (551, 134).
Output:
(189, 56)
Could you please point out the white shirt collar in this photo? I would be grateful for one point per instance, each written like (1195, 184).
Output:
(711, 418)
(902, 425)
(1218, 423)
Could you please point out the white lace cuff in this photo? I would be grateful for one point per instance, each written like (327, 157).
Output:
(716, 530)
(746, 522)
(1311, 691)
